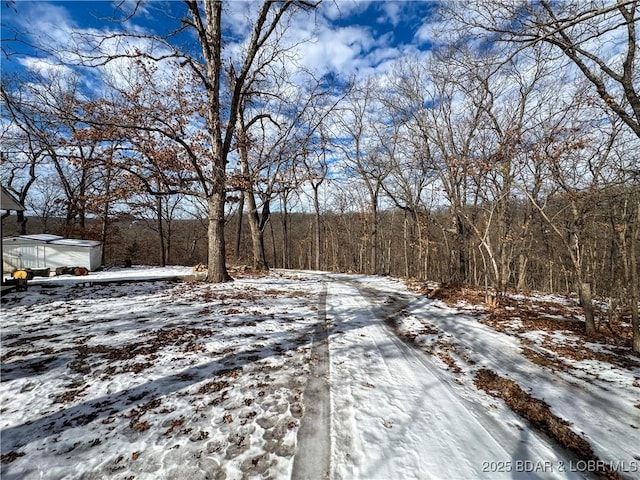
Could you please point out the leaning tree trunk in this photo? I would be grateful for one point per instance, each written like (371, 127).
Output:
(584, 290)
(255, 228)
(257, 235)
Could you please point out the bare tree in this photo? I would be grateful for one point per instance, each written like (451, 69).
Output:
(410, 173)
(316, 172)
(207, 23)
(219, 111)
(584, 32)
(446, 123)
(634, 278)
(566, 172)
(60, 139)
(364, 157)
(22, 152)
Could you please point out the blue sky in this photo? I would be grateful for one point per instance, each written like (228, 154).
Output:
(358, 38)
(341, 38)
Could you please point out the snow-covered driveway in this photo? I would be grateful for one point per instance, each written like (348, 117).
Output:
(297, 375)
(397, 414)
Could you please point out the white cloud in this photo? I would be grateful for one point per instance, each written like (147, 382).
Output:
(48, 68)
(336, 50)
(49, 22)
(344, 50)
(322, 39)
(392, 12)
(238, 17)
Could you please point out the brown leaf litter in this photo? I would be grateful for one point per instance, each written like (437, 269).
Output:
(540, 416)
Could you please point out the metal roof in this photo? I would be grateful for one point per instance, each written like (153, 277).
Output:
(42, 237)
(45, 238)
(8, 202)
(74, 242)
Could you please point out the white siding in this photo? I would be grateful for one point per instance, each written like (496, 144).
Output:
(24, 252)
(24, 255)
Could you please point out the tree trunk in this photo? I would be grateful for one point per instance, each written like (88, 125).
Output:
(104, 232)
(374, 237)
(239, 227)
(388, 267)
(586, 302)
(635, 281)
(257, 237)
(461, 259)
(523, 261)
(210, 37)
(163, 255)
(423, 245)
(285, 233)
(405, 244)
(169, 237)
(274, 249)
(318, 233)
(22, 223)
(217, 269)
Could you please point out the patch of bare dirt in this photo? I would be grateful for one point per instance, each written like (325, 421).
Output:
(539, 415)
(450, 294)
(70, 395)
(533, 317)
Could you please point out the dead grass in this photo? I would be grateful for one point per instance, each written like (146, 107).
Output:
(411, 337)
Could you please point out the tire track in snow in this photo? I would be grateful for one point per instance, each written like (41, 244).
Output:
(398, 415)
(313, 452)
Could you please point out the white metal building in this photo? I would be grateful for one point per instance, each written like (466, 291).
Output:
(50, 251)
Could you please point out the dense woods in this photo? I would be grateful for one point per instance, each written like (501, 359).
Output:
(505, 156)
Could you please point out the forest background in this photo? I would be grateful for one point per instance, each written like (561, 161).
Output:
(498, 149)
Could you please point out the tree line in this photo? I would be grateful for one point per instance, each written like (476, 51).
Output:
(504, 156)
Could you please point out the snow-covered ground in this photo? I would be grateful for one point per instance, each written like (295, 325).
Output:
(398, 415)
(600, 400)
(161, 379)
(155, 379)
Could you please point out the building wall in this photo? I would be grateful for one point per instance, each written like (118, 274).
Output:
(42, 255)
(23, 255)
